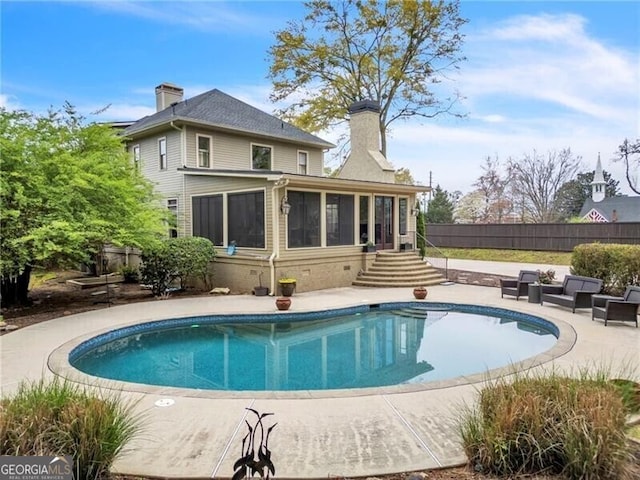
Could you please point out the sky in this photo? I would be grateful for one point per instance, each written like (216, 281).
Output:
(539, 76)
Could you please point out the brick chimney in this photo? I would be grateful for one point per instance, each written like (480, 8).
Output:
(167, 94)
(366, 162)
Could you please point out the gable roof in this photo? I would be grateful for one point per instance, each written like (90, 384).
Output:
(627, 209)
(216, 109)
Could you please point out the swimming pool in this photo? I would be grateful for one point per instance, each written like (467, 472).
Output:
(358, 347)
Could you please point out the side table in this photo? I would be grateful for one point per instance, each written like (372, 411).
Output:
(534, 293)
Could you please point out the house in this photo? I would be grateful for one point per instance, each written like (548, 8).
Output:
(254, 185)
(600, 208)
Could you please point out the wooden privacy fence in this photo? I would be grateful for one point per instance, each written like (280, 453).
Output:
(556, 237)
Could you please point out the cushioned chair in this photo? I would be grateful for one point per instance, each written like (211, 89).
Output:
(619, 309)
(519, 287)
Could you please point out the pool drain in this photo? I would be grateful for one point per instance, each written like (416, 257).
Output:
(165, 402)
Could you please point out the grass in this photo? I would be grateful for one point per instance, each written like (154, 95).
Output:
(59, 418)
(549, 424)
(518, 256)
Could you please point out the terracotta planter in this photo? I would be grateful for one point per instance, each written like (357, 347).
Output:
(420, 293)
(283, 303)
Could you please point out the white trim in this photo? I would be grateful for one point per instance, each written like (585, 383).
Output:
(306, 165)
(210, 138)
(254, 144)
(166, 158)
(137, 159)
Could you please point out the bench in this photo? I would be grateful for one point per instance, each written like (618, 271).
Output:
(575, 292)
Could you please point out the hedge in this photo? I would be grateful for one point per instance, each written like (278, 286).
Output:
(617, 265)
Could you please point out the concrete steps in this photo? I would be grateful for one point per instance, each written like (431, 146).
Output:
(399, 269)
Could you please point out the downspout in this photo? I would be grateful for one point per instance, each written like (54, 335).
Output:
(275, 221)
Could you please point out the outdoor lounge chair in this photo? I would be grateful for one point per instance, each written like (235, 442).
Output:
(519, 287)
(619, 309)
(575, 292)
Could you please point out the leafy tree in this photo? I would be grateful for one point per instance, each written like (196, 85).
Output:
(629, 153)
(440, 207)
(470, 207)
(393, 52)
(539, 178)
(404, 176)
(67, 188)
(572, 194)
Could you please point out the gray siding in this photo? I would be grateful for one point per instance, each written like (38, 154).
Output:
(168, 183)
(233, 152)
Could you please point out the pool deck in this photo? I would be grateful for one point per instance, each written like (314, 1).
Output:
(318, 435)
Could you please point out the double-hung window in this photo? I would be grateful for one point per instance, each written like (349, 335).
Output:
(136, 156)
(162, 153)
(302, 162)
(172, 205)
(260, 157)
(204, 151)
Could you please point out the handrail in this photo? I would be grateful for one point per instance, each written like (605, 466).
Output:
(446, 259)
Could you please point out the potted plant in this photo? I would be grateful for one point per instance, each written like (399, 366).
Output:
(287, 286)
(546, 276)
(283, 303)
(369, 247)
(260, 291)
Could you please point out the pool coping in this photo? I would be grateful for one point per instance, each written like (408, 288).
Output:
(58, 363)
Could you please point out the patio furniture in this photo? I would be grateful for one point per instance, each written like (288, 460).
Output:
(619, 309)
(575, 292)
(519, 287)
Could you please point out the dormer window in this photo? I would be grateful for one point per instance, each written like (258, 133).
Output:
(204, 151)
(260, 157)
(302, 162)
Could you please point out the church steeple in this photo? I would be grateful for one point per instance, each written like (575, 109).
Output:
(598, 185)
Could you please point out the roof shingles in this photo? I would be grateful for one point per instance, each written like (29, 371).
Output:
(217, 109)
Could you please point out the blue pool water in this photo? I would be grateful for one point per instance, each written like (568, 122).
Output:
(364, 346)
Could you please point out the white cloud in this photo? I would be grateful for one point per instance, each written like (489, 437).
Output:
(216, 15)
(9, 102)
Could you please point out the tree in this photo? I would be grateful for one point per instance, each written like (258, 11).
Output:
(470, 207)
(629, 153)
(66, 190)
(572, 194)
(440, 207)
(493, 186)
(539, 179)
(393, 52)
(404, 176)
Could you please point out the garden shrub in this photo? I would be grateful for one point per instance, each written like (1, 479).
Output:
(192, 256)
(158, 268)
(551, 425)
(129, 273)
(617, 265)
(176, 259)
(59, 418)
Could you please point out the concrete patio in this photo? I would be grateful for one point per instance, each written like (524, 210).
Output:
(319, 434)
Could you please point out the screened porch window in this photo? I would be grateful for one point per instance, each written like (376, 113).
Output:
(207, 218)
(304, 219)
(339, 215)
(245, 214)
